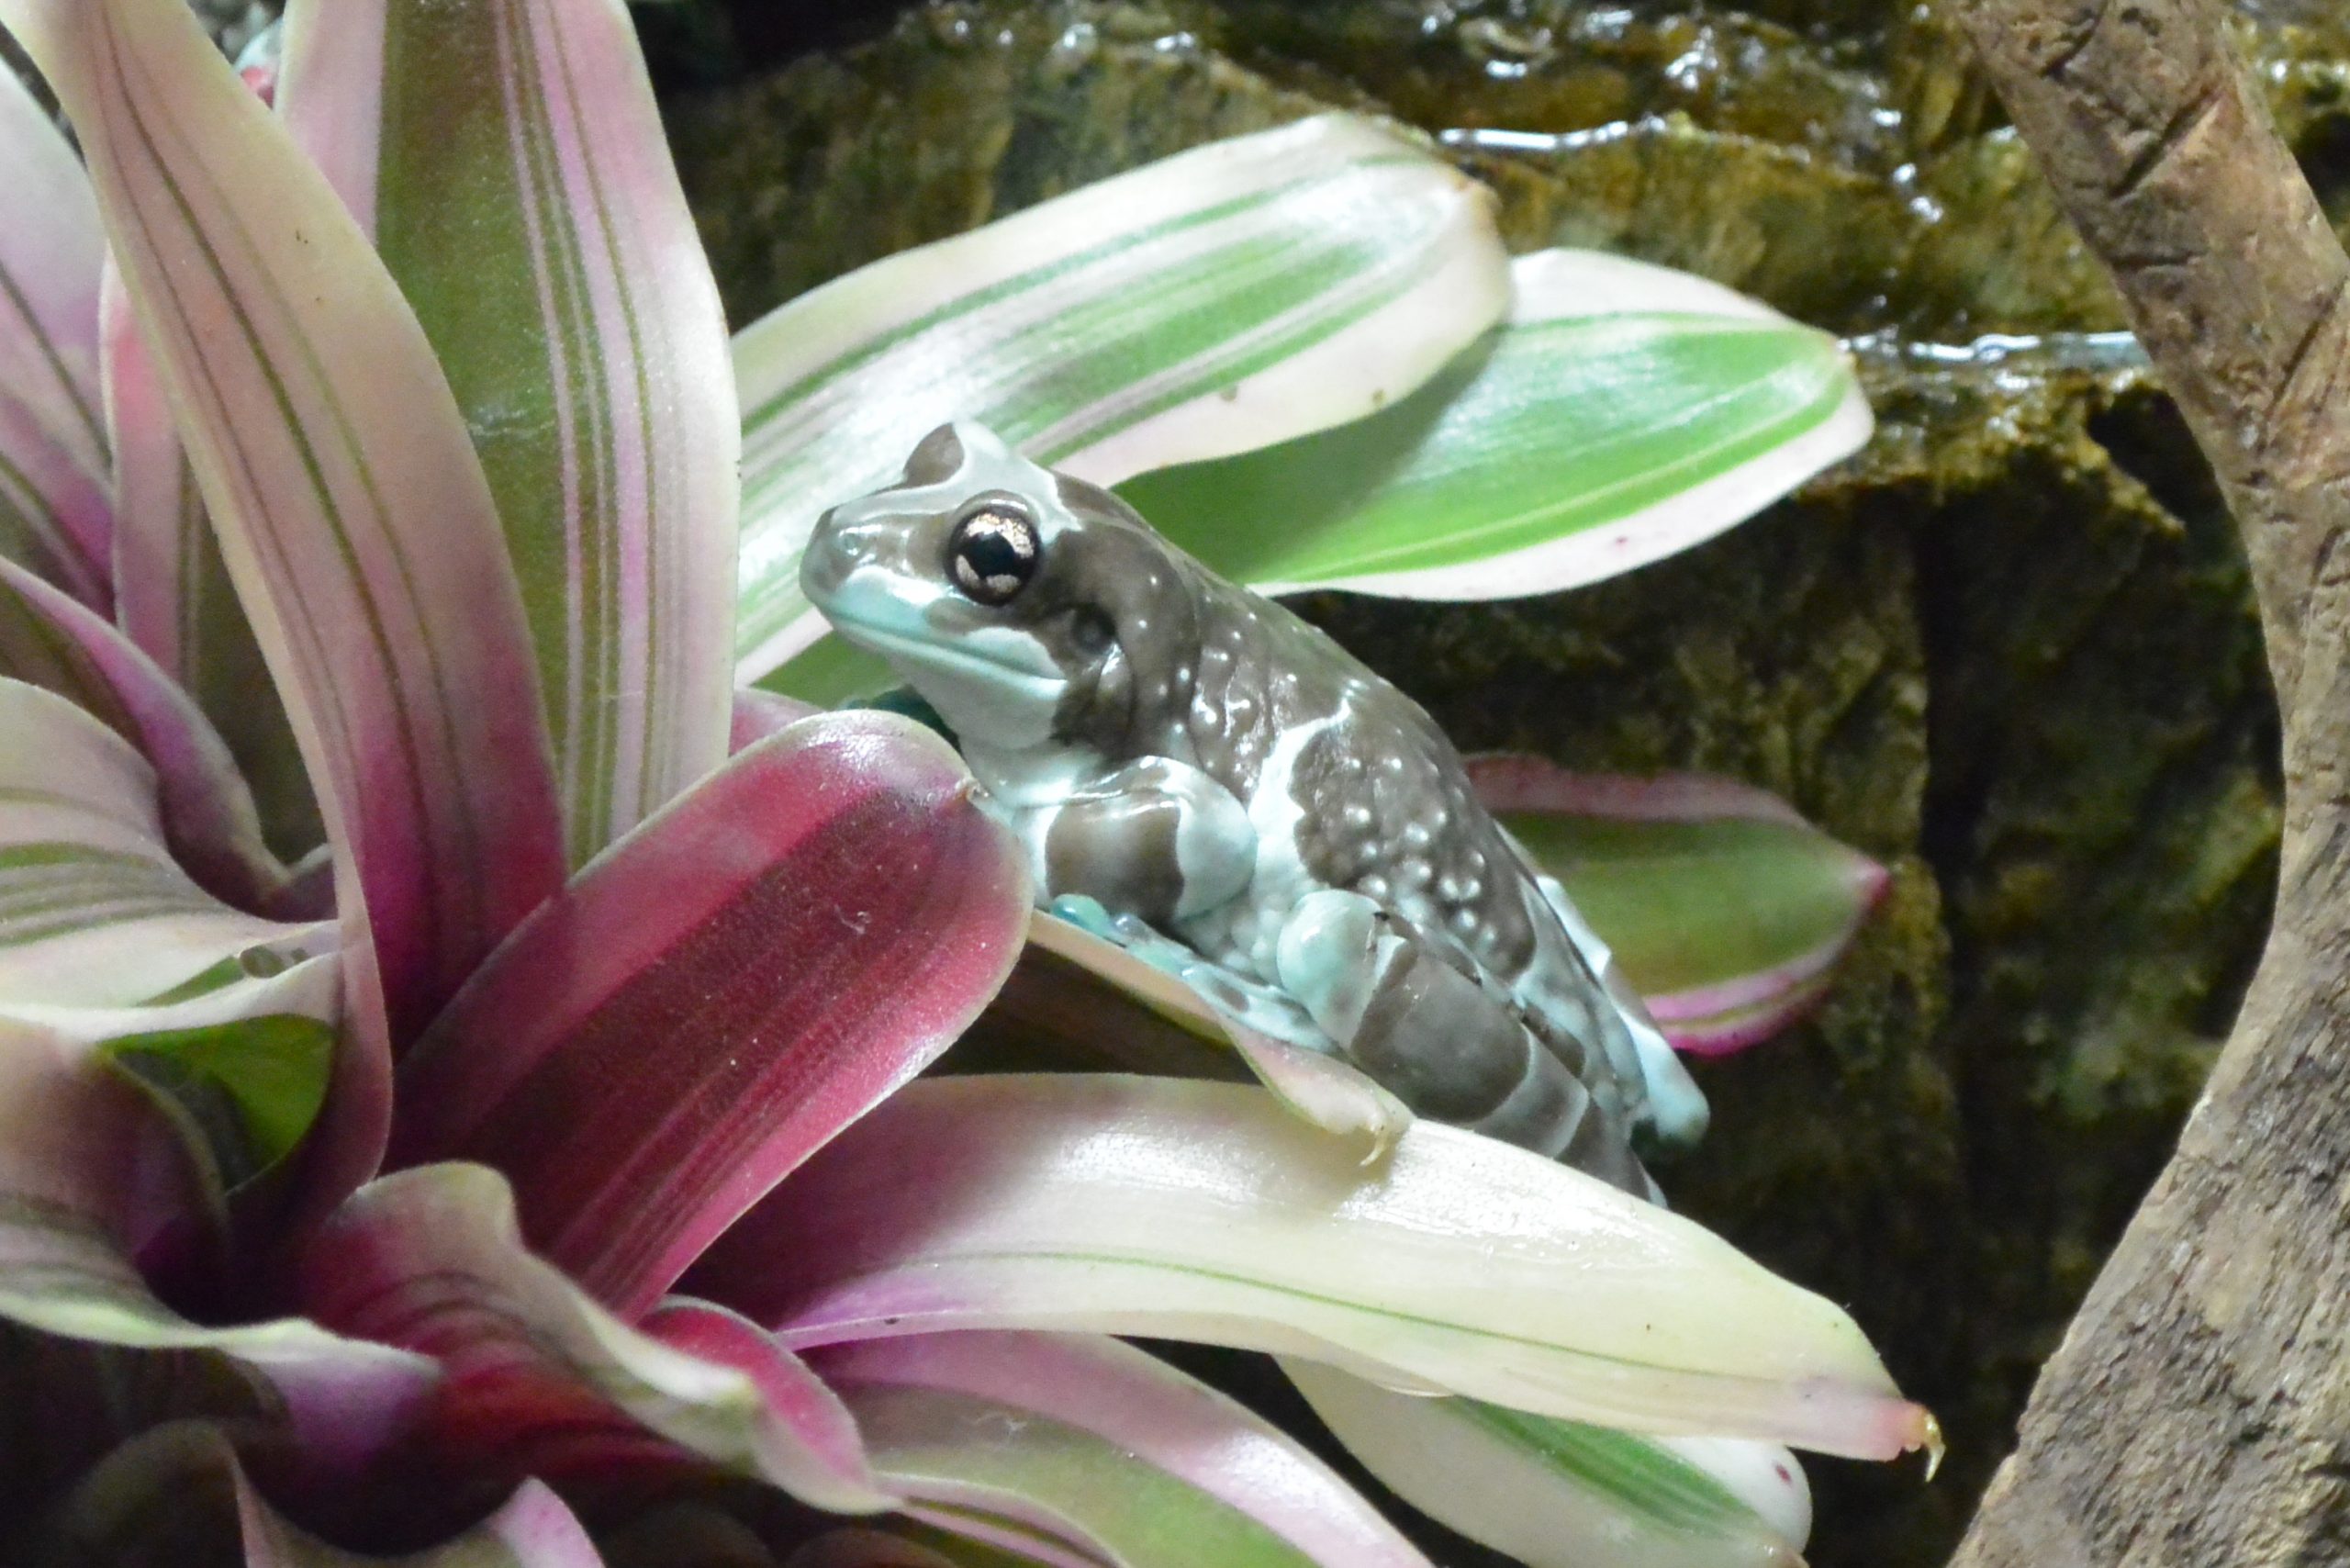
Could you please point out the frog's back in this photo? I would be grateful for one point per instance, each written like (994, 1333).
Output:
(1355, 788)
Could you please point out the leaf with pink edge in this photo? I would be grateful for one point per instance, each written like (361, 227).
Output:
(1554, 1494)
(100, 930)
(54, 466)
(179, 1494)
(538, 1380)
(1079, 1435)
(720, 993)
(1726, 909)
(350, 508)
(1622, 413)
(52, 641)
(509, 159)
(1202, 1211)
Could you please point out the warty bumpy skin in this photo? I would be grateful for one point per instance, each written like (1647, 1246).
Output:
(1194, 756)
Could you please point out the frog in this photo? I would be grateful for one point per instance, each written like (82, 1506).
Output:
(1211, 769)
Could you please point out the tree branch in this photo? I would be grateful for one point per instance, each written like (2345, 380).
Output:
(2162, 150)
(2199, 1409)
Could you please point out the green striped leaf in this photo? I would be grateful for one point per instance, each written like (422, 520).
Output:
(351, 507)
(1726, 910)
(1625, 412)
(508, 156)
(1101, 1448)
(1555, 1493)
(1243, 292)
(1203, 1210)
(53, 466)
(100, 930)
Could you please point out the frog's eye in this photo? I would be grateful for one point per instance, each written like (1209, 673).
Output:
(993, 552)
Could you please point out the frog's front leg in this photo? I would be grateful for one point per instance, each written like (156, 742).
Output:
(1448, 1048)
(1156, 839)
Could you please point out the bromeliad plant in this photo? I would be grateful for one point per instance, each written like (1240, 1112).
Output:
(446, 1098)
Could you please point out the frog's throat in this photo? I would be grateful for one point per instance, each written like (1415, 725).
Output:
(950, 674)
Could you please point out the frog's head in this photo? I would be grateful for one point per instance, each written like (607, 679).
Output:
(1026, 606)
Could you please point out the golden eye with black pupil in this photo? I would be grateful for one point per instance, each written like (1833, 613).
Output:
(993, 552)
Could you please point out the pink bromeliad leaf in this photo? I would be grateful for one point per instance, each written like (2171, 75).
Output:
(179, 1494)
(351, 509)
(1091, 1441)
(54, 466)
(720, 995)
(1726, 909)
(172, 596)
(51, 639)
(509, 160)
(1202, 1211)
(758, 714)
(538, 1380)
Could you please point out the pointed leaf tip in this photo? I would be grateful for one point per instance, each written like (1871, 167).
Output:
(1624, 412)
(1203, 1210)
(1726, 909)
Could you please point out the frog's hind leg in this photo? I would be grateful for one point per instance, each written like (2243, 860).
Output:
(1448, 1048)
(1675, 1107)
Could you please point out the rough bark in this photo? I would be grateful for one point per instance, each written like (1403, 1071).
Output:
(2199, 1409)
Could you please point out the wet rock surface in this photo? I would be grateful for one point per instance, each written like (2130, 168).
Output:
(2009, 649)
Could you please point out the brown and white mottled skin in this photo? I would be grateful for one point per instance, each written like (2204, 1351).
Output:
(1194, 756)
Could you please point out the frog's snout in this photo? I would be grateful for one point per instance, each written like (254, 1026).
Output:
(831, 554)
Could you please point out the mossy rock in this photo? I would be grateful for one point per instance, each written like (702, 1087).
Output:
(2010, 649)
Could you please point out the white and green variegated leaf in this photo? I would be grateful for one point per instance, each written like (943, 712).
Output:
(509, 159)
(1554, 1494)
(1241, 293)
(1625, 412)
(350, 504)
(101, 933)
(1176, 1209)
(1102, 1450)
